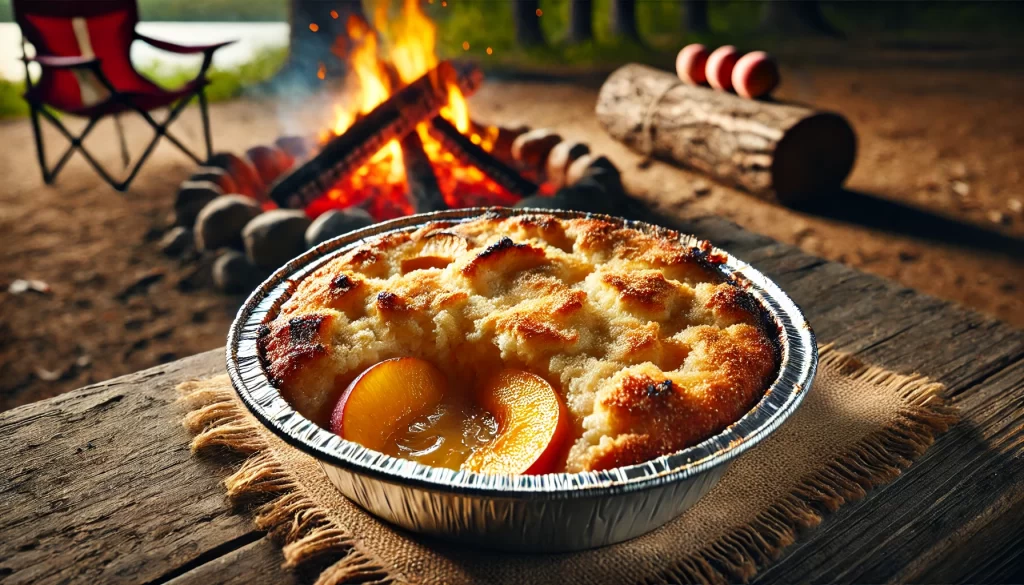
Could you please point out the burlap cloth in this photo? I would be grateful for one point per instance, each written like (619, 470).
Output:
(858, 427)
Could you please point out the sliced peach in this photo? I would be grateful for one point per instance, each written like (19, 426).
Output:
(439, 250)
(532, 425)
(386, 398)
(424, 263)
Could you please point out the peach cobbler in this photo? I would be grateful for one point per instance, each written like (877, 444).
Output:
(526, 344)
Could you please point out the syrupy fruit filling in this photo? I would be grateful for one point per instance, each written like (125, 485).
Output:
(512, 423)
(445, 437)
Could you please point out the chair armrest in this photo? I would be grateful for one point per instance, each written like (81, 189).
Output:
(180, 49)
(64, 62)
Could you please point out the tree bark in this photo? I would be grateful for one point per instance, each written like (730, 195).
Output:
(796, 17)
(527, 22)
(581, 20)
(623, 19)
(307, 49)
(780, 152)
(696, 18)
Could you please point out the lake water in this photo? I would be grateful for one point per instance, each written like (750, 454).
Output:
(251, 37)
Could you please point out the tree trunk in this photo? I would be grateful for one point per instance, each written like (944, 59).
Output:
(308, 49)
(780, 152)
(527, 22)
(792, 17)
(623, 19)
(581, 20)
(696, 20)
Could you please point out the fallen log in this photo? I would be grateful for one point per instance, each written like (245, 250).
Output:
(394, 119)
(780, 152)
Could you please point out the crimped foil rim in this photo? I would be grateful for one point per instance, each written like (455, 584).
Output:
(799, 359)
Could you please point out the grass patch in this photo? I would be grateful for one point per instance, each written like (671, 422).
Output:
(224, 83)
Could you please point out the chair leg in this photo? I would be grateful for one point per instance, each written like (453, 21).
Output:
(77, 146)
(203, 109)
(40, 146)
(161, 129)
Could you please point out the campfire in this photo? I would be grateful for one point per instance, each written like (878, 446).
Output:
(400, 141)
(405, 143)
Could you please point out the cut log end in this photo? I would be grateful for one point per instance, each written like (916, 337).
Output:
(813, 158)
(781, 152)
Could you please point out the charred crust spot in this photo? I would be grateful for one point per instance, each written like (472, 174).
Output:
(286, 347)
(390, 302)
(503, 248)
(288, 366)
(305, 329)
(264, 331)
(342, 283)
(659, 390)
(501, 245)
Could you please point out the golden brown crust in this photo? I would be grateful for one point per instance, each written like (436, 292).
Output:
(650, 348)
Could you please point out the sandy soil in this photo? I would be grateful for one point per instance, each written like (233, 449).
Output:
(934, 144)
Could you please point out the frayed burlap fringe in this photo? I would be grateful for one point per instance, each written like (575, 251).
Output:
(218, 420)
(875, 460)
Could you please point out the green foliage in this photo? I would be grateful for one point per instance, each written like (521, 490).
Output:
(11, 102)
(198, 10)
(224, 83)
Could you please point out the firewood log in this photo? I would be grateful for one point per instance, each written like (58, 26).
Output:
(781, 152)
(421, 182)
(467, 152)
(393, 119)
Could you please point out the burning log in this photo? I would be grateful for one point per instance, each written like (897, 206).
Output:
(464, 149)
(780, 152)
(424, 192)
(395, 118)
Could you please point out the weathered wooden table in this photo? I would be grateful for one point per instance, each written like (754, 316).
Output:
(98, 485)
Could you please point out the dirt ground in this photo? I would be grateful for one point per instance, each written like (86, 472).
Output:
(935, 145)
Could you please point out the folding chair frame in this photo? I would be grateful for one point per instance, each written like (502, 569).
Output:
(39, 110)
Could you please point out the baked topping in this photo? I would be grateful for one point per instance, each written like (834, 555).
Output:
(641, 339)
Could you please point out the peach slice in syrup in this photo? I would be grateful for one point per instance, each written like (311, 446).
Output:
(532, 425)
(385, 399)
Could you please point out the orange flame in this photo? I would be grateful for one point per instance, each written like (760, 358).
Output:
(408, 43)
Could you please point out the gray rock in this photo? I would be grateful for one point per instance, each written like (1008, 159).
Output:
(192, 197)
(176, 241)
(333, 223)
(233, 273)
(220, 223)
(590, 194)
(298, 147)
(217, 176)
(275, 237)
(245, 176)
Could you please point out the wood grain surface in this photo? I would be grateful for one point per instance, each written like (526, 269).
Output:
(98, 486)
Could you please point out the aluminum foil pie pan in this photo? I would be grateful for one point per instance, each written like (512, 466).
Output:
(543, 513)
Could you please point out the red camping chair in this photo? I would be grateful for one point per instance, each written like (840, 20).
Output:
(83, 49)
